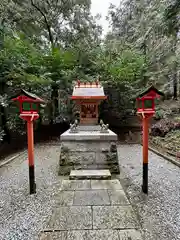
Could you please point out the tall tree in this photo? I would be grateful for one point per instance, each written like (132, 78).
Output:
(172, 30)
(144, 24)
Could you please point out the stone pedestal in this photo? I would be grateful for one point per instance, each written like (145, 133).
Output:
(88, 135)
(88, 150)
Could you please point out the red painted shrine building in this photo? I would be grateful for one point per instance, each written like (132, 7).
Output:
(88, 96)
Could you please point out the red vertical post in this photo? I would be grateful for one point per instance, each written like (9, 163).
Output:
(145, 154)
(30, 136)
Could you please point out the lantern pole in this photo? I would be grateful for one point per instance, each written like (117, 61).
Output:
(30, 136)
(30, 116)
(145, 154)
(146, 113)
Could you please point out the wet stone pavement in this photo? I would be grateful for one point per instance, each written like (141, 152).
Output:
(91, 210)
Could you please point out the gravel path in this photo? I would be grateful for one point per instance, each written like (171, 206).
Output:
(159, 213)
(22, 215)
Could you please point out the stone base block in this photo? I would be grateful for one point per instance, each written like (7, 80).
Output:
(89, 150)
(90, 174)
(65, 170)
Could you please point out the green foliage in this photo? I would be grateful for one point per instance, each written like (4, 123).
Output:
(171, 141)
(46, 45)
(159, 114)
(127, 67)
(151, 27)
(59, 64)
(20, 62)
(171, 16)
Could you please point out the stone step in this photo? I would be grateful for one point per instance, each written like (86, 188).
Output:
(90, 174)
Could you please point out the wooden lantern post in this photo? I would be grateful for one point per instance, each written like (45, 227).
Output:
(30, 115)
(146, 110)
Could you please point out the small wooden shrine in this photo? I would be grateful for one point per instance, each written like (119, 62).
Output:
(88, 96)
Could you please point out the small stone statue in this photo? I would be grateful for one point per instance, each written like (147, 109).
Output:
(104, 127)
(113, 147)
(73, 127)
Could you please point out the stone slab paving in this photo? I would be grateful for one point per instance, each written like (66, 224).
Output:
(118, 197)
(113, 217)
(106, 184)
(74, 217)
(130, 234)
(76, 185)
(91, 210)
(54, 236)
(92, 197)
(65, 198)
(88, 235)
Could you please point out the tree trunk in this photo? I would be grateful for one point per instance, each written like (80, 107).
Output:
(144, 50)
(175, 82)
(174, 73)
(54, 104)
(6, 137)
(3, 121)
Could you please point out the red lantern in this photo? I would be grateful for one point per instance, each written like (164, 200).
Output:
(146, 109)
(28, 105)
(146, 102)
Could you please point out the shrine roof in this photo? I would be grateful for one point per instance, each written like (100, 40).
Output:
(88, 90)
(151, 91)
(29, 95)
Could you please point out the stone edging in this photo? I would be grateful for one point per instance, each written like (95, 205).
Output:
(177, 163)
(11, 159)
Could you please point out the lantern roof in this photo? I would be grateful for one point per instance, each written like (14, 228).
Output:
(88, 90)
(27, 96)
(151, 92)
